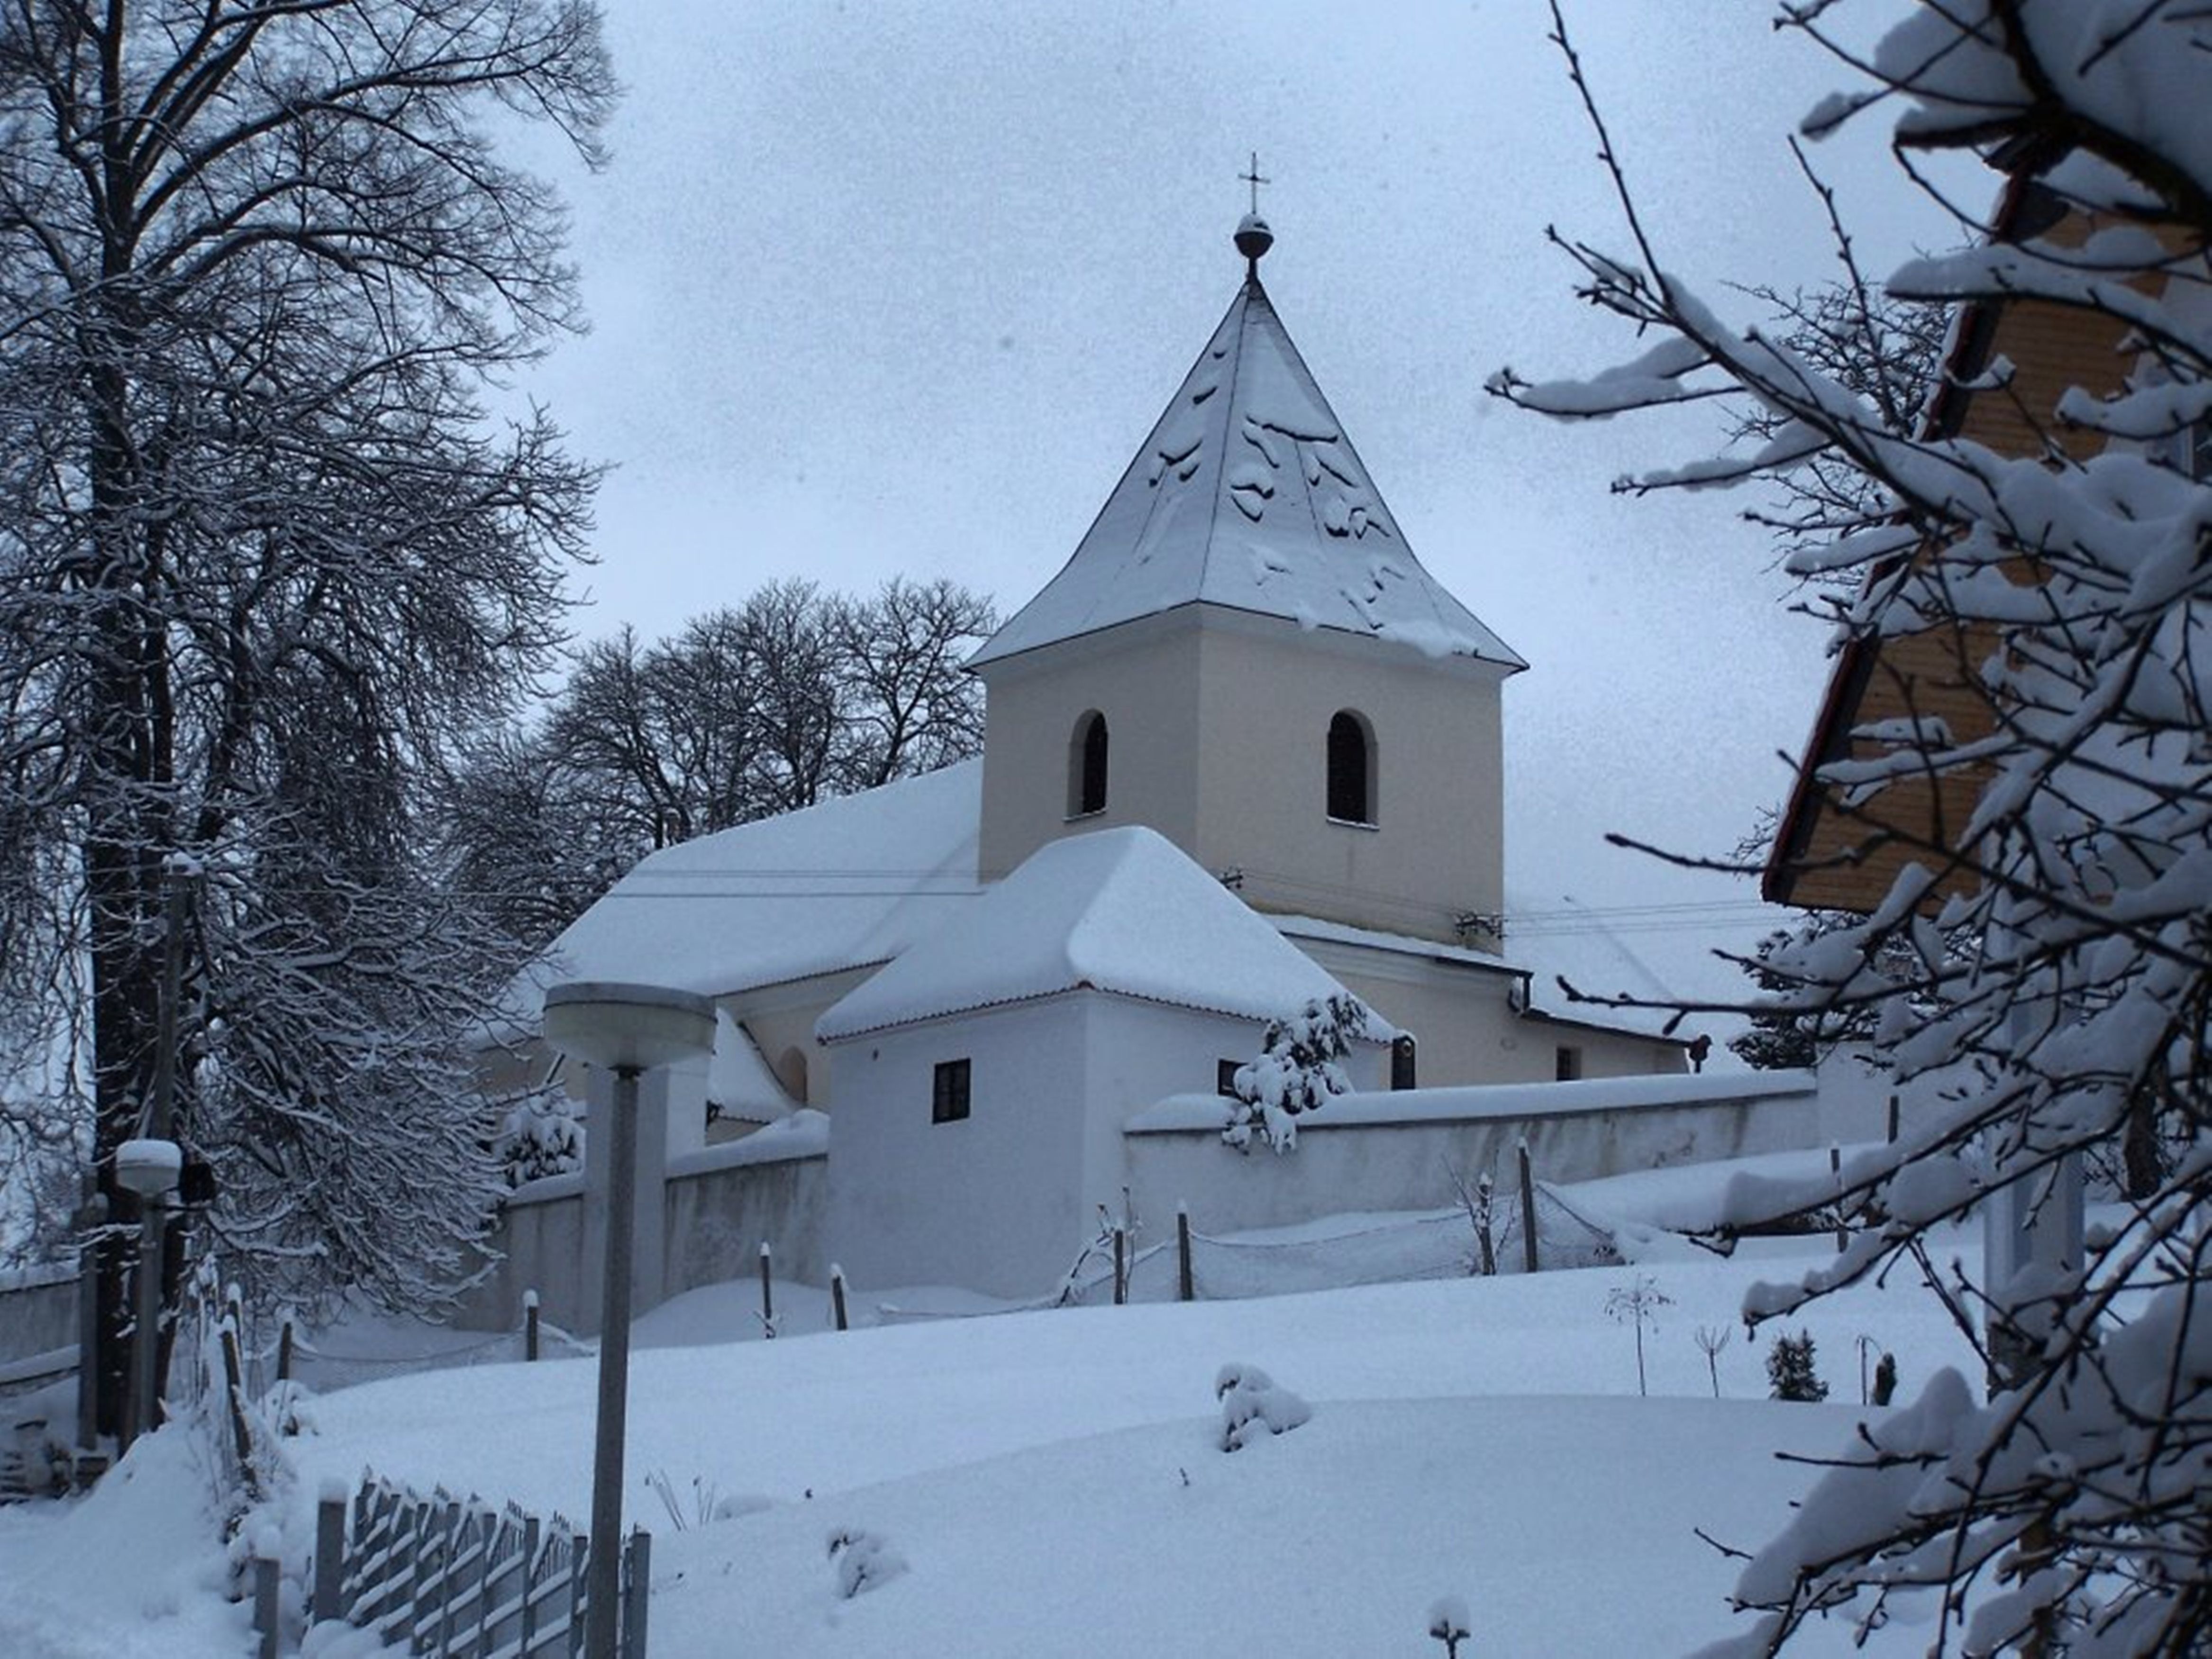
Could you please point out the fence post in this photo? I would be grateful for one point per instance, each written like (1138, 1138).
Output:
(284, 1350)
(637, 1589)
(418, 1571)
(530, 1325)
(1893, 1119)
(266, 1622)
(1836, 1169)
(234, 1378)
(1120, 1267)
(330, 1551)
(837, 1294)
(1527, 1212)
(1482, 1227)
(449, 1530)
(768, 1293)
(528, 1638)
(579, 1589)
(1185, 1289)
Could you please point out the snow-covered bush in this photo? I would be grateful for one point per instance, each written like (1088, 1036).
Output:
(1301, 1064)
(1253, 1404)
(862, 1561)
(2039, 968)
(1789, 1370)
(542, 1134)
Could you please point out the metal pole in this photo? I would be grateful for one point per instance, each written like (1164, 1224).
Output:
(146, 1340)
(603, 1632)
(90, 1219)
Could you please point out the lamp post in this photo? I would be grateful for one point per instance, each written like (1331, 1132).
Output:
(150, 1169)
(627, 1030)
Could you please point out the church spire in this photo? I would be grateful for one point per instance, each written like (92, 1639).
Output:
(1248, 494)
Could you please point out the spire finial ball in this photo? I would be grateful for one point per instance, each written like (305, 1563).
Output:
(1253, 238)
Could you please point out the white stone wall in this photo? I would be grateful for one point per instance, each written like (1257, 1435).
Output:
(1354, 1155)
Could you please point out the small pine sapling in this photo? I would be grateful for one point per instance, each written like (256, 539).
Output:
(862, 1561)
(1637, 1304)
(1253, 1405)
(1479, 1199)
(1301, 1064)
(1710, 1340)
(1449, 1623)
(1790, 1369)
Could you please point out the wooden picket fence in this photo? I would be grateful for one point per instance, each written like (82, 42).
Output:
(444, 1575)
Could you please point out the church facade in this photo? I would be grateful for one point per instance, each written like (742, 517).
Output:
(1243, 751)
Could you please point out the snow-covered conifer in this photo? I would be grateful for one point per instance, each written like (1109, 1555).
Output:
(1790, 1369)
(1301, 1064)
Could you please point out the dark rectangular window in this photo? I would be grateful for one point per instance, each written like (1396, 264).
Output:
(1570, 1063)
(948, 1095)
(1224, 1077)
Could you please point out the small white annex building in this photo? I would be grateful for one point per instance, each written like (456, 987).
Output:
(1241, 751)
(1108, 970)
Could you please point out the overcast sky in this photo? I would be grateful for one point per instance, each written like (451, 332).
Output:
(884, 288)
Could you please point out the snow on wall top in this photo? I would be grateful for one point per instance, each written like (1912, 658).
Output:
(1248, 495)
(1119, 910)
(846, 883)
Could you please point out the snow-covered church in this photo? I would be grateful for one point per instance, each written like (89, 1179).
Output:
(1242, 752)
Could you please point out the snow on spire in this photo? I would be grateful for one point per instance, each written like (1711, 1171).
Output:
(1248, 494)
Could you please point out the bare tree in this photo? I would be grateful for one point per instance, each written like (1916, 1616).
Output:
(795, 694)
(2066, 572)
(913, 709)
(263, 561)
(1710, 1340)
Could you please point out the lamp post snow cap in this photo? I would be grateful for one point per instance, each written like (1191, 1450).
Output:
(627, 1028)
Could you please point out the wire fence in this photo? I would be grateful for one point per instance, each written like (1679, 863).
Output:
(1427, 1245)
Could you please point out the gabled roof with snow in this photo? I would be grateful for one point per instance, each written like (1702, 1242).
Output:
(1248, 495)
(848, 883)
(1118, 911)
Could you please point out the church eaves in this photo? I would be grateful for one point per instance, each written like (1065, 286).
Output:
(1248, 494)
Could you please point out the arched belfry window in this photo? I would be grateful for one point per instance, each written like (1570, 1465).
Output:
(1351, 769)
(1086, 765)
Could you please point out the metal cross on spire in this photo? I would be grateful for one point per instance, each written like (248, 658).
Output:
(1252, 179)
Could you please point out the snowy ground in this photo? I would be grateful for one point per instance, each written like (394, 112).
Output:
(1051, 1478)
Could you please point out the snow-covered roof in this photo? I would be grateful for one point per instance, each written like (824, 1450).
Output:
(738, 1081)
(848, 883)
(1119, 910)
(1248, 495)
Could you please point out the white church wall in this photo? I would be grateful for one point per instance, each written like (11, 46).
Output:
(993, 1201)
(1385, 1151)
(1467, 1030)
(1142, 1053)
(1002, 1201)
(1268, 692)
